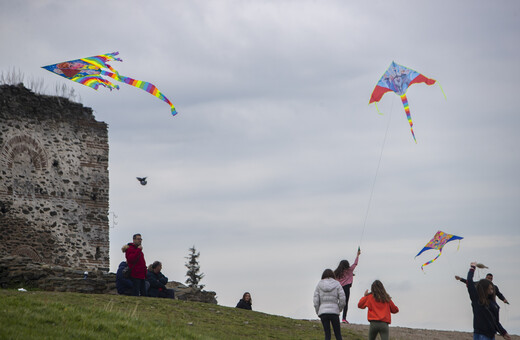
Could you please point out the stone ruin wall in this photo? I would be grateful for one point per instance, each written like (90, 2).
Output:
(53, 180)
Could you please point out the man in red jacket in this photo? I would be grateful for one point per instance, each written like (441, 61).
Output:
(135, 259)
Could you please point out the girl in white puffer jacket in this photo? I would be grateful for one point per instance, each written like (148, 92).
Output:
(329, 300)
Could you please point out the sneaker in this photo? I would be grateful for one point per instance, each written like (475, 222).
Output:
(344, 321)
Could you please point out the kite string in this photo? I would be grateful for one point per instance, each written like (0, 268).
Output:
(377, 172)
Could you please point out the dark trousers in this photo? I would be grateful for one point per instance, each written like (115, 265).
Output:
(139, 287)
(378, 327)
(326, 320)
(162, 293)
(167, 293)
(128, 291)
(346, 289)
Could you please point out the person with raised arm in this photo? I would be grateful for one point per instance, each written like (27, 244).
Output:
(486, 322)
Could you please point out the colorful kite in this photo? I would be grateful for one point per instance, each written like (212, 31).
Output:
(89, 72)
(437, 242)
(398, 78)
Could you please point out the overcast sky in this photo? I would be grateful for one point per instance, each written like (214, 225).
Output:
(269, 166)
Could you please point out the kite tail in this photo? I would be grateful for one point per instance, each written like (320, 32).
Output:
(100, 61)
(93, 81)
(143, 85)
(442, 90)
(407, 110)
(381, 113)
(427, 263)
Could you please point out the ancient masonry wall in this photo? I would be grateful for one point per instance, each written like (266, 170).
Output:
(53, 180)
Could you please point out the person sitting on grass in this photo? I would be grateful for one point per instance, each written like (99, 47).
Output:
(245, 302)
(158, 282)
(124, 286)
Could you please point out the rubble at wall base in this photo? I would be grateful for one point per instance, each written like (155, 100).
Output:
(23, 272)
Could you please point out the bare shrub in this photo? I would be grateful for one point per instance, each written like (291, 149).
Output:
(62, 90)
(14, 76)
(37, 85)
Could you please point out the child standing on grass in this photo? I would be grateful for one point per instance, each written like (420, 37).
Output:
(345, 275)
(329, 300)
(380, 306)
(485, 308)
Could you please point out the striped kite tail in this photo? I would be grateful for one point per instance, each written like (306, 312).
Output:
(427, 263)
(408, 116)
(93, 81)
(143, 85)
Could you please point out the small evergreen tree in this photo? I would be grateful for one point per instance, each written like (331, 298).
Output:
(193, 269)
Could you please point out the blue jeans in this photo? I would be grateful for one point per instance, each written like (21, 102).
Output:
(481, 337)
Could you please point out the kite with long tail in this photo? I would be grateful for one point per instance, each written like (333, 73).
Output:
(398, 78)
(437, 242)
(89, 72)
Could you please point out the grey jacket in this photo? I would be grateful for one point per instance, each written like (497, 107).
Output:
(329, 297)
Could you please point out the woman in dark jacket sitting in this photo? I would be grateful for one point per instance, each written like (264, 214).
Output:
(158, 282)
(245, 302)
(124, 286)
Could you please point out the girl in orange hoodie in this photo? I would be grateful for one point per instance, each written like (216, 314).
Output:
(380, 306)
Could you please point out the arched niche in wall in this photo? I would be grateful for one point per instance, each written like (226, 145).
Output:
(22, 157)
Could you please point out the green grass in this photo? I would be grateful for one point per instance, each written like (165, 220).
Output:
(52, 315)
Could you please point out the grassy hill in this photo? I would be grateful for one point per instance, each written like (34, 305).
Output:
(52, 315)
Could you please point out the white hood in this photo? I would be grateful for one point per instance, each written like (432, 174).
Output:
(328, 285)
(329, 297)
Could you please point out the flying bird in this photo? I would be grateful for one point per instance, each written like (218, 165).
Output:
(142, 180)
